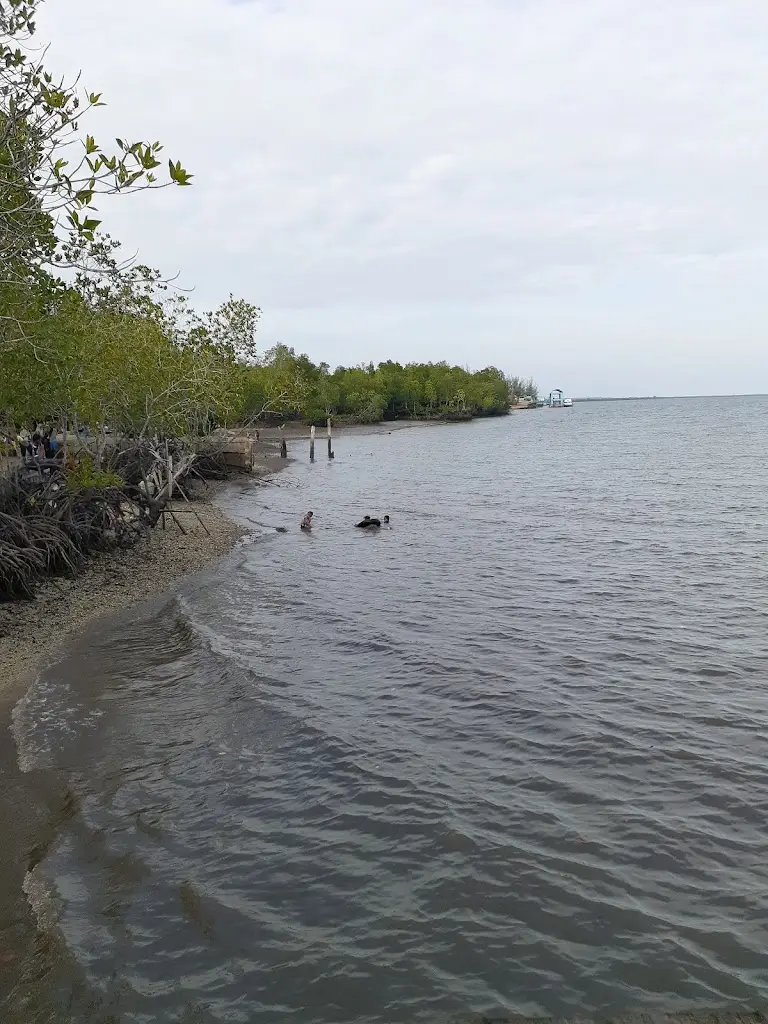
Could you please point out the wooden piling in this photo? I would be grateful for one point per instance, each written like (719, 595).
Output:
(312, 443)
(330, 440)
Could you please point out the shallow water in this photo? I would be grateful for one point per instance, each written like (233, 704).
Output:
(510, 753)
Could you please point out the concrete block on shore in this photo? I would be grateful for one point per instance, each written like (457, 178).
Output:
(240, 454)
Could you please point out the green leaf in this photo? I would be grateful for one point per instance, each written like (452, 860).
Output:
(178, 174)
(54, 98)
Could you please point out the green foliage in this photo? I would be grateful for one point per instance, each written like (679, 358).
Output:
(119, 348)
(286, 385)
(85, 476)
(51, 174)
(41, 120)
(114, 344)
(521, 388)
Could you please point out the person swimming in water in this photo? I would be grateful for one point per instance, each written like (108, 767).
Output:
(306, 522)
(368, 523)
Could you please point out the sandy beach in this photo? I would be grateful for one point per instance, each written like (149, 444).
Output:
(33, 634)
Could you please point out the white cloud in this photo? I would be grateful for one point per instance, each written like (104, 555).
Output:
(485, 175)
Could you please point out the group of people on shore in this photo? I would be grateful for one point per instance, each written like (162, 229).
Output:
(39, 444)
(366, 523)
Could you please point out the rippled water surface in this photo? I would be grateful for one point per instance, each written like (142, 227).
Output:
(510, 753)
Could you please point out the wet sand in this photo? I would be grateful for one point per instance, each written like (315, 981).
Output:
(33, 634)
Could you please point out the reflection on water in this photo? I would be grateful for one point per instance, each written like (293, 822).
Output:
(509, 753)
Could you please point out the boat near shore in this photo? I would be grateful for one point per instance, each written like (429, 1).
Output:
(556, 400)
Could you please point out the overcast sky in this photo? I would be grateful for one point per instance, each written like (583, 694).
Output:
(574, 189)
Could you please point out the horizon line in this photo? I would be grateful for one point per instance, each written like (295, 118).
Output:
(651, 398)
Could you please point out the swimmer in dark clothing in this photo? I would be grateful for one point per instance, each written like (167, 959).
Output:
(367, 522)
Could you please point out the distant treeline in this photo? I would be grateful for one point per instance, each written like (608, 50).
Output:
(114, 351)
(91, 338)
(285, 385)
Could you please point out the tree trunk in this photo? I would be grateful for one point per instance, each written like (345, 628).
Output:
(101, 442)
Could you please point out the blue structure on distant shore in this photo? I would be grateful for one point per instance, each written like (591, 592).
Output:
(556, 400)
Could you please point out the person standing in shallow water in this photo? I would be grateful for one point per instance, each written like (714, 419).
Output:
(306, 522)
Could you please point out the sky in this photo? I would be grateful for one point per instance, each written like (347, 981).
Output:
(575, 190)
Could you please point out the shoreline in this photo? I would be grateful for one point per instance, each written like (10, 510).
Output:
(301, 431)
(34, 632)
(34, 635)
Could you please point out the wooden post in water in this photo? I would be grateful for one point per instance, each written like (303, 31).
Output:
(330, 443)
(312, 443)
(283, 446)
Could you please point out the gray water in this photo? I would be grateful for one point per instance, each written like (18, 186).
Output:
(510, 753)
